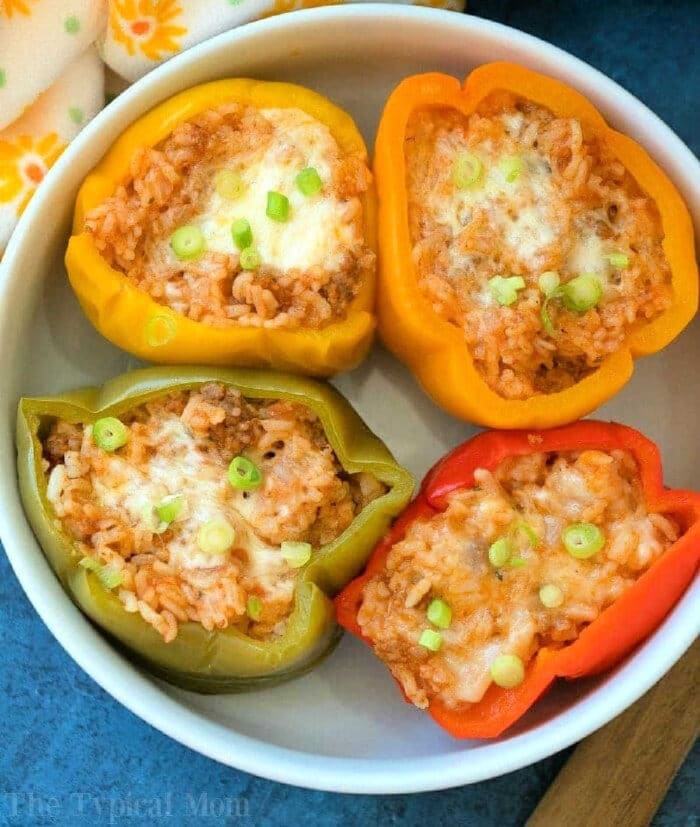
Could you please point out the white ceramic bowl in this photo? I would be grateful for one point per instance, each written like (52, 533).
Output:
(344, 727)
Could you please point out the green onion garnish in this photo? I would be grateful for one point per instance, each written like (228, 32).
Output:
(241, 233)
(216, 537)
(160, 329)
(170, 508)
(521, 527)
(511, 168)
(187, 242)
(507, 671)
(466, 170)
(277, 206)
(582, 293)
(430, 639)
(109, 433)
(548, 282)
(244, 474)
(309, 181)
(254, 607)
(505, 289)
(229, 184)
(296, 554)
(551, 596)
(439, 614)
(150, 520)
(517, 562)
(109, 577)
(583, 540)
(500, 552)
(250, 259)
(618, 260)
(549, 285)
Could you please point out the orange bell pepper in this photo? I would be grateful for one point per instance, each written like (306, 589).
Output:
(616, 631)
(435, 349)
(122, 313)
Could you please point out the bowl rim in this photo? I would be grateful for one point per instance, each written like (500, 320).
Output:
(142, 695)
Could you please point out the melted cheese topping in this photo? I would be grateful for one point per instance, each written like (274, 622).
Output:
(186, 471)
(497, 610)
(317, 229)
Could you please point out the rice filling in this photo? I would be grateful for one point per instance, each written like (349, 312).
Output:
(178, 448)
(513, 193)
(497, 559)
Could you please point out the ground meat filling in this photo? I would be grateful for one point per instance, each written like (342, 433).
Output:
(498, 609)
(216, 169)
(547, 197)
(181, 445)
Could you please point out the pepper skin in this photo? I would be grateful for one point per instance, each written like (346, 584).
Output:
(121, 312)
(223, 660)
(433, 348)
(616, 631)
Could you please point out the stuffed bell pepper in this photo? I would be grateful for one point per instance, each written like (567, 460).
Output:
(526, 556)
(529, 251)
(202, 517)
(232, 225)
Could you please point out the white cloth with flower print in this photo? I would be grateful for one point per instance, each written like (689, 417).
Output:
(52, 79)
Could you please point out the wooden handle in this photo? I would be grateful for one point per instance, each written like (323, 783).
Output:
(620, 774)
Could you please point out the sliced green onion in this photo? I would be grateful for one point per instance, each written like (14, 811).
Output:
(508, 671)
(216, 537)
(150, 520)
(548, 282)
(517, 562)
(500, 552)
(583, 540)
(229, 184)
(505, 289)
(241, 233)
(547, 325)
(160, 329)
(430, 639)
(466, 170)
(250, 259)
(521, 527)
(109, 433)
(618, 260)
(254, 607)
(277, 206)
(309, 181)
(187, 242)
(439, 613)
(170, 508)
(582, 293)
(511, 168)
(551, 596)
(244, 474)
(296, 554)
(109, 577)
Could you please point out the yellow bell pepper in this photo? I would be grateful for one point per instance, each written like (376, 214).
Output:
(435, 349)
(125, 315)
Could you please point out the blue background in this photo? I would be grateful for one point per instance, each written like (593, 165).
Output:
(63, 737)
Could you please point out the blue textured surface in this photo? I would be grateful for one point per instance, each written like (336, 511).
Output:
(71, 755)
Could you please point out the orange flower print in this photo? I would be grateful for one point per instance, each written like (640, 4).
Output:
(9, 7)
(146, 26)
(24, 162)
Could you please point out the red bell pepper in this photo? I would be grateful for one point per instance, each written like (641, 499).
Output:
(616, 630)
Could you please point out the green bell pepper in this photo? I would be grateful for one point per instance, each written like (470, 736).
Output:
(221, 660)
